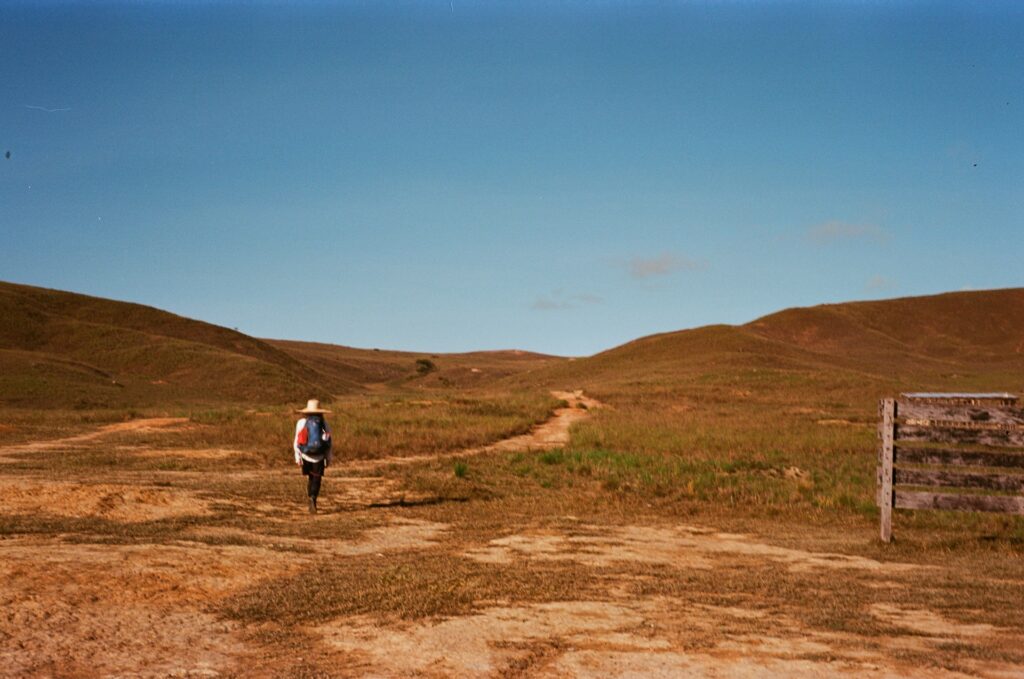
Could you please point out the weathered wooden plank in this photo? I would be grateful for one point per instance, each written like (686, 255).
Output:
(1004, 504)
(931, 477)
(977, 433)
(1000, 398)
(961, 458)
(886, 420)
(927, 412)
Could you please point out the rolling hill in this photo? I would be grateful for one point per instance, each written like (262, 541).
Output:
(69, 350)
(377, 368)
(962, 340)
(73, 350)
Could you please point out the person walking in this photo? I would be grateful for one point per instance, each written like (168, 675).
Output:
(312, 447)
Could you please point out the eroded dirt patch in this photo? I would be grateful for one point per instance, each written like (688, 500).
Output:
(601, 639)
(931, 624)
(119, 610)
(398, 535)
(143, 610)
(689, 546)
(468, 646)
(125, 503)
(89, 639)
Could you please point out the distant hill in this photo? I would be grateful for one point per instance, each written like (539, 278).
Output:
(962, 340)
(385, 368)
(70, 350)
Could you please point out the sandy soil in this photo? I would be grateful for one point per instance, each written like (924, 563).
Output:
(674, 545)
(127, 610)
(600, 639)
(125, 503)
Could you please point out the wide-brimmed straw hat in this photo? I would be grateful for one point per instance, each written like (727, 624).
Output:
(313, 406)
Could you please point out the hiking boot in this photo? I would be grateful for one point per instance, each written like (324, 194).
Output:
(312, 505)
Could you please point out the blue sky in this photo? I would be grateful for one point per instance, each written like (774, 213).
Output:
(560, 177)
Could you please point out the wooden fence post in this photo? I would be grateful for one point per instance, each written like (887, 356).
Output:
(886, 420)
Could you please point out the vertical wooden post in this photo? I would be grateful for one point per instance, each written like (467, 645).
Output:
(886, 421)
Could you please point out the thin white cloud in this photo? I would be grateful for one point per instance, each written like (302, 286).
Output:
(663, 265)
(46, 110)
(878, 283)
(559, 301)
(835, 231)
(964, 153)
(548, 304)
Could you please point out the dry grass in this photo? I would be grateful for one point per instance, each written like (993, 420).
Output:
(408, 586)
(731, 422)
(365, 427)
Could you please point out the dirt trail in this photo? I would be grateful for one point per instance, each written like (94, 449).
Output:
(552, 433)
(116, 497)
(131, 426)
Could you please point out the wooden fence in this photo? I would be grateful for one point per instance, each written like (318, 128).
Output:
(964, 443)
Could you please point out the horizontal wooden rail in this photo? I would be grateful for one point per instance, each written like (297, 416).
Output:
(915, 499)
(963, 458)
(1006, 504)
(985, 434)
(929, 477)
(917, 411)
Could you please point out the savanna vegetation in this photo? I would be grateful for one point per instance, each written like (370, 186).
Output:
(759, 435)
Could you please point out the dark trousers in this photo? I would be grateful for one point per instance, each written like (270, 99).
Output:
(314, 471)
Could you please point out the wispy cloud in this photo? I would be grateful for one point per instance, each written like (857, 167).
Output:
(46, 110)
(663, 265)
(963, 153)
(547, 304)
(878, 283)
(834, 231)
(557, 300)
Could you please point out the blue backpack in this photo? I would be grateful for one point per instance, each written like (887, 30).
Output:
(318, 438)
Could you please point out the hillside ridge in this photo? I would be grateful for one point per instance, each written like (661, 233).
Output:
(81, 350)
(958, 339)
(71, 349)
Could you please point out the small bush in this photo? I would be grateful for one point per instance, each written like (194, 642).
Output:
(552, 457)
(461, 469)
(425, 366)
